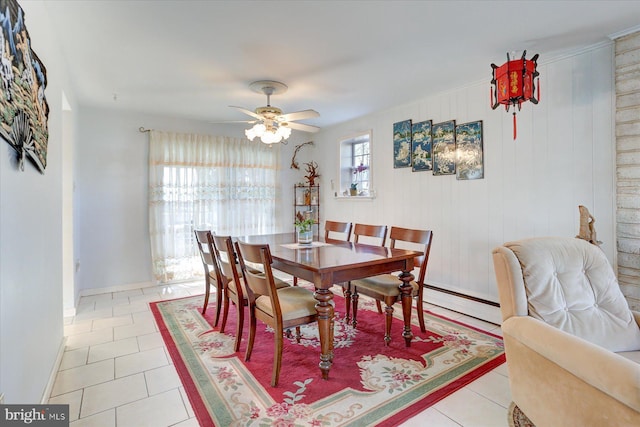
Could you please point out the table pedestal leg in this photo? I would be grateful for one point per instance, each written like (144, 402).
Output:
(406, 291)
(325, 329)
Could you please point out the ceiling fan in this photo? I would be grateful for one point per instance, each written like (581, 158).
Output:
(270, 124)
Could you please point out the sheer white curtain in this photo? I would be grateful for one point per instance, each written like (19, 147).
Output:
(224, 184)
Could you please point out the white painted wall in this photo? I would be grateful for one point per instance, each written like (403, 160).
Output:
(563, 157)
(68, 170)
(31, 248)
(112, 228)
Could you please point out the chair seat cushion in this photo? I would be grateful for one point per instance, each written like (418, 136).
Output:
(232, 286)
(570, 284)
(383, 284)
(295, 302)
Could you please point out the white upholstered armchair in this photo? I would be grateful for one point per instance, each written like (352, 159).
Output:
(571, 341)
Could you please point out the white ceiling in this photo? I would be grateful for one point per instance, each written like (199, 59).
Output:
(194, 59)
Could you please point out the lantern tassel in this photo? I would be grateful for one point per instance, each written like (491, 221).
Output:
(514, 126)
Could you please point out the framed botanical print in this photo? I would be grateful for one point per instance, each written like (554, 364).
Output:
(444, 148)
(469, 151)
(402, 144)
(421, 146)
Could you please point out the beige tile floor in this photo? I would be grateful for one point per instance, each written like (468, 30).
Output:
(116, 370)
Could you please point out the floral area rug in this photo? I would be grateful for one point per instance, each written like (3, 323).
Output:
(517, 418)
(369, 384)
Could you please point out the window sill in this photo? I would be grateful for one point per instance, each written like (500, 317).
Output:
(367, 197)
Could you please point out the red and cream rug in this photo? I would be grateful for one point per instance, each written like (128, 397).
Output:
(369, 384)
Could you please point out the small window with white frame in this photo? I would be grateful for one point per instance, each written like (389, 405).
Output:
(355, 165)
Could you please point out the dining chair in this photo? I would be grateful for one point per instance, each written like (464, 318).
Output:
(374, 234)
(331, 228)
(386, 287)
(204, 239)
(234, 288)
(283, 308)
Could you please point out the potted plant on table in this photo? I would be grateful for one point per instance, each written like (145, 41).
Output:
(304, 227)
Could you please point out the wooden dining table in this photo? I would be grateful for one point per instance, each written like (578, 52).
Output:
(325, 263)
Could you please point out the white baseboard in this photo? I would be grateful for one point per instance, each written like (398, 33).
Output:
(463, 305)
(54, 372)
(118, 288)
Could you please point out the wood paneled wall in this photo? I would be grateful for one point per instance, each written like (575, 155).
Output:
(628, 165)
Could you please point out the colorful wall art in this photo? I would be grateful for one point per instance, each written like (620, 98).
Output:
(402, 144)
(421, 146)
(444, 148)
(23, 78)
(469, 151)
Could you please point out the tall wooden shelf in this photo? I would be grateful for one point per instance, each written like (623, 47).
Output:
(306, 200)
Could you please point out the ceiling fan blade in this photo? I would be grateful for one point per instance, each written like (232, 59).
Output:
(298, 115)
(236, 121)
(248, 112)
(303, 127)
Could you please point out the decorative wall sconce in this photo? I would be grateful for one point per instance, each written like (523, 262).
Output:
(514, 83)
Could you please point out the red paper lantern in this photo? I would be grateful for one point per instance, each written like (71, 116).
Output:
(513, 83)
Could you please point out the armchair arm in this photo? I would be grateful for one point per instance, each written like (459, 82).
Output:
(603, 369)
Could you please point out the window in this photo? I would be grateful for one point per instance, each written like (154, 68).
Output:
(355, 166)
(224, 184)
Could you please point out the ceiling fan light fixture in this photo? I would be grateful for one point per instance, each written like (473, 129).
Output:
(268, 135)
(250, 133)
(256, 131)
(284, 131)
(272, 126)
